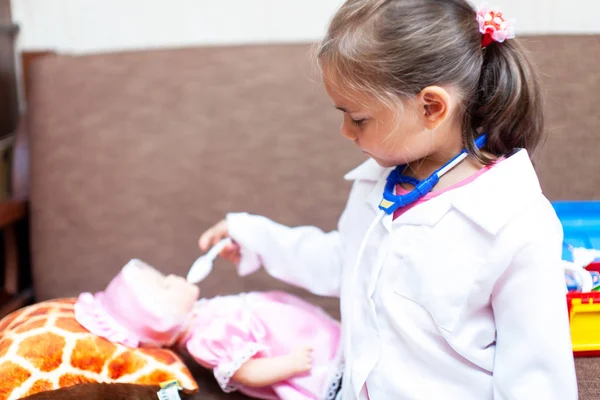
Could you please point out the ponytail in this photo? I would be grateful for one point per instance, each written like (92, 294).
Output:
(508, 103)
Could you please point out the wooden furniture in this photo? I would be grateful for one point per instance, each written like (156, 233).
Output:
(16, 290)
(15, 275)
(9, 104)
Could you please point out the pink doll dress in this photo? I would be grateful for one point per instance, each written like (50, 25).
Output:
(228, 331)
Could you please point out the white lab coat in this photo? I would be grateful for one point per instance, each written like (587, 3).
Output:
(461, 297)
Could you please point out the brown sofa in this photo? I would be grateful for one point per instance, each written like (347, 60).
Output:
(135, 154)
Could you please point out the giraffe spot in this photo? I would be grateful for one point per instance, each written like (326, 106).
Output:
(15, 325)
(13, 376)
(4, 346)
(30, 325)
(5, 323)
(186, 372)
(155, 377)
(40, 311)
(69, 325)
(125, 364)
(91, 353)
(66, 305)
(69, 301)
(39, 386)
(68, 380)
(161, 355)
(44, 351)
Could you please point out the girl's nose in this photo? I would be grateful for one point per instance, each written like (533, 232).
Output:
(347, 132)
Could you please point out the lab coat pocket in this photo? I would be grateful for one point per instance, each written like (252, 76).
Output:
(436, 273)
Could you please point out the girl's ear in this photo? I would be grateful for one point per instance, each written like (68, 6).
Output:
(435, 105)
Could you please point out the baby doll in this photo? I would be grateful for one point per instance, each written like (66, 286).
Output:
(267, 345)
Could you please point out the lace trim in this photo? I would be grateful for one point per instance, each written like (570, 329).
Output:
(225, 371)
(336, 384)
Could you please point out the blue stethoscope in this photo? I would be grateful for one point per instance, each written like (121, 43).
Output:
(391, 202)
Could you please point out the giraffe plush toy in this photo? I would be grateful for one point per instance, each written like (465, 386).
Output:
(43, 347)
(267, 345)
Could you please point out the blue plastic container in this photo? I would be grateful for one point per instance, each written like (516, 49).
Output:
(581, 224)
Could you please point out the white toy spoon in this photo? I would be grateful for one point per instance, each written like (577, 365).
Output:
(204, 264)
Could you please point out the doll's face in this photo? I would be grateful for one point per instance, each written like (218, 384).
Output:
(162, 295)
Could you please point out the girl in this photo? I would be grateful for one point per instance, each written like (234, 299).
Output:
(459, 294)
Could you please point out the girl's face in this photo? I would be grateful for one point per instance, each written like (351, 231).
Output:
(390, 136)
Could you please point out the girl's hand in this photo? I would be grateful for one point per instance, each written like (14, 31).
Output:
(213, 236)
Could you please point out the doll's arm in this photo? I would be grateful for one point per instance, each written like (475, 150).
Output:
(234, 363)
(302, 256)
(261, 372)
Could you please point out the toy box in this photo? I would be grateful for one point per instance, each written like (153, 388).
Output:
(581, 225)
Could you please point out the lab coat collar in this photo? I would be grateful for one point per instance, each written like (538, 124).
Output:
(490, 201)
(498, 195)
(372, 172)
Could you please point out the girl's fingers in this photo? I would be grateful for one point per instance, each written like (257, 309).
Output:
(208, 239)
(205, 240)
(233, 247)
(212, 236)
(225, 254)
(229, 253)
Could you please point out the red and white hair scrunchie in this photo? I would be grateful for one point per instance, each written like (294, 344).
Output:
(493, 26)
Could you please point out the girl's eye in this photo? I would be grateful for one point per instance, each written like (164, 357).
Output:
(358, 121)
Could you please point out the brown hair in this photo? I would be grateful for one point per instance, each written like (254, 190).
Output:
(392, 49)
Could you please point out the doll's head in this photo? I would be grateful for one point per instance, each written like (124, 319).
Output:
(162, 295)
(140, 306)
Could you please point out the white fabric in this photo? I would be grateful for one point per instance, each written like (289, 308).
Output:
(462, 297)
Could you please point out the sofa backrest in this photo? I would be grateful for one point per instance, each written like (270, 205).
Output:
(135, 154)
